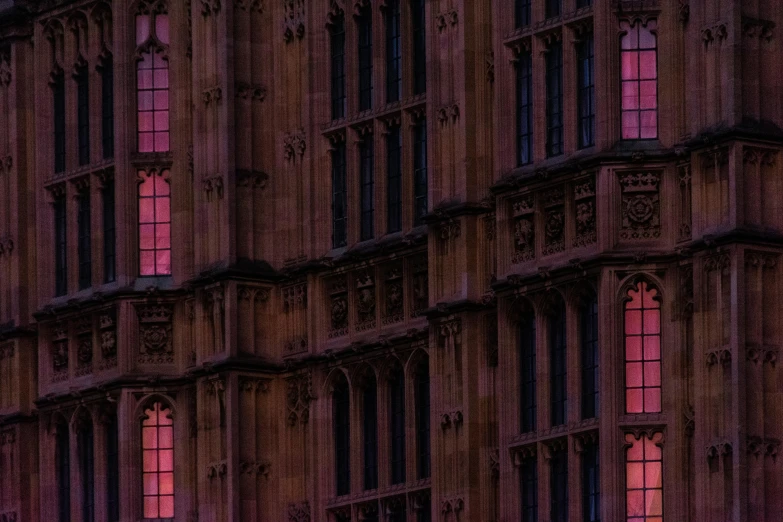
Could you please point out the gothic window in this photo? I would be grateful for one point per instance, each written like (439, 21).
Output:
(420, 170)
(60, 247)
(107, 106)
(586, 91)
(109, 233)
(527, 373)
(639, 79)
(643, 350)
(644, 479)
(83, 113)
(557, 364)
(157, 436)
(425, 512)
(152, 77)
(58, 96)
(554, 99)
(63, 468)
(154, 223)
(337, 45)
(524, 94)
(419, 47)
(87, 471)
(364, 23)
(591, 505)
(552, 8)
(528, 478)
(583, 3)
(339, 197)
(397, 426)
(588, 325)
(393, 52)
(367, 195)
(558, 479)
(394, 179)
(422, 397)
(85, 239)
(370, 431)
(112, 470)
(521, 13)
(341, 421)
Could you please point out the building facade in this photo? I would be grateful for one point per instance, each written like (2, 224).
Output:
(391, 260)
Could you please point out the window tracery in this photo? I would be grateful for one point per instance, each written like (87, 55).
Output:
(642, 349)
(157, 444)
(152, 77)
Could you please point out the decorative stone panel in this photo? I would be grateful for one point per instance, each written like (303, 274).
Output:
(553, 201)
(641, 211)
(393, 294)
(584, 212)
(299, 394)
(84, 345)
(420, 285)
(337, 290)
(523, 222)
(60, 352)
(155, 333)
(365, 300)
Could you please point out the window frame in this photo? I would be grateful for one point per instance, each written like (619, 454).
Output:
(341, 433)
(420, 174)
(62, 465)
(558, 363)
(421, 382)
(58, 121)
(84, 243)
(151, 46)
(555, 145)
(394, 180)
(397, 428)
(107, 105)
(82, 80)
(364, 43)
(366, 150)
(527, 354)
(637, 25)
(585, 87)
(393, 22)
(337, 64)
(642, 286)
(589, 356)
(419, 45)
(109, 223)
(160, 408)
(651, 443)
(60, 218)
(86, 451)
(370, 461)
(163, 174)
(558, 485)
(339, 195)
(590, 471)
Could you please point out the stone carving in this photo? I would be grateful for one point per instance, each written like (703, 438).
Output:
(365, 301)
(756, 28)
(217, 469)
(293, 22)
(260, 468)
(763, 446)
(393, 295)
(7, 350)
(216, 307)
(451, 229)
(585, 214)
(493, 459)
(210, 7)
(420, 286)
(690, 420)
(5, 67)
(759, 354)
(684, 12)
(686, 290)
(8, 516)
(250, 5)
(213, 94)
(640, 205)
(250, 384)
(445, 20)
(447, 113)
(294, 145)
(338, 301)
(721, 262)
(252, 92)
(155, 333)
(759, 156)
(718, 355)
(251, 178)
(717, 450)
(684, 232)
(299, 512)
(452, 418)
(213, 186)
(368, 512)
(296, 345)
(553, 201)
(760, 259)
(452, 505)
(295, 296)
(714, 33)
(253, 293)
(298, 397)
(524, 229)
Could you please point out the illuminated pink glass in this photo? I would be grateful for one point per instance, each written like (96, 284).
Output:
(152, 101)
(642, 350)
(154, 224)
(639, 80)
(142, 28)
(644, 479)
(162, 28)
(157, 446)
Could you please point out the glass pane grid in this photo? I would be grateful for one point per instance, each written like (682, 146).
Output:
(586, 92)
(153, 102)
(154, 225)
(342, 437)
(339, 198)
(639, 81)
(365, 59)
(83, 112)
(85, 241)
(337, 43)
(557, 359)
(642, 351)
(367, 196)
(527, 368)
(528, 475)
(419, 47)
(393, 52)
(589, 327)
(157, 434)
(644, 481)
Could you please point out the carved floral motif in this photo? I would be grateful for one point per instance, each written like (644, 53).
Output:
(155, 333)
(640, 205)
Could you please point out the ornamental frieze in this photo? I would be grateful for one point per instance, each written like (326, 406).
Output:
(155, 333)
(641, 211)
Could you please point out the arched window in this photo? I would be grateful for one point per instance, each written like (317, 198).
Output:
(370, 431)
(337, 45)
(62, 461)
(157, 445)
(588, 326)
(642, 350)
(112, 470)
(422, 397)
(527, 372)
(419, 47)
(364, 28)
(152, 80)
(639, 79)
(393, 52)
(87, 470)
(397, 426)
(557, 364)
(341, 420)
(644, 478)
(154, 223)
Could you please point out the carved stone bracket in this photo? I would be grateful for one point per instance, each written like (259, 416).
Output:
(690, 420)
(213, 187)
(452, 504)
(451, 229)
(761, 446)
(759, 354)
(247, 91)
(217, 469)
(7, 350)
(585, 440)
(447, 113)
(449, 331)
(295, 296)
(715, 33)
(756, 28)
(716, 451)
(250, 6)
(210, 7)
(293, 21)
(212, 95)
(451, 419)
(254, 384)
(446, 19)
(493, 460)
(719, 355)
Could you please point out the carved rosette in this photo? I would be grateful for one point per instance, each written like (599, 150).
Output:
(420, 285)
(337, 290)
(641, 212)
(155, 333)
(584, 212)
(365, 301)
(553, 201)
(298, 397)
(523, 221)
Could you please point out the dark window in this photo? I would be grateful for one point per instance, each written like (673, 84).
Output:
(425, 512)
(85, 240)
(394, 186)
(107, 107)
(60, 248)
(554, 99)
(370, 433)
(583, 3)
(367, 175)
(109, 233)
(337, 44)
(557, 362)
(525, 108)
(63, 466)
(87, 471)
(58, 89)
(397, 432)
(552, 8)
(112, 470)
(419, 47)
(521, 13)
(528, 477)
(365, 58)
(527, 373)
(558, 474)
(398, 516)
(393, 51)
(83, 112)
(589, 341)
(422, 398)
(591, 497)
(420, 170)
(586, 92)
(339, 198)
(341, 418)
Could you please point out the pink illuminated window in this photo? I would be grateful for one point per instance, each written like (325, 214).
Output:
(157, 445)
(643, 350)
(154, 223)
(152, 82)
(639, 79)
(644, 478)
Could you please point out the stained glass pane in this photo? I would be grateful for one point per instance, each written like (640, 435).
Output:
(162, 28)
(142, 28)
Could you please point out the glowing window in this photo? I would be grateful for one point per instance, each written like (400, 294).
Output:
(154, 223)
(639, 79)
(152, 83)
(644, 479)
(157, 444)
(642, 350)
